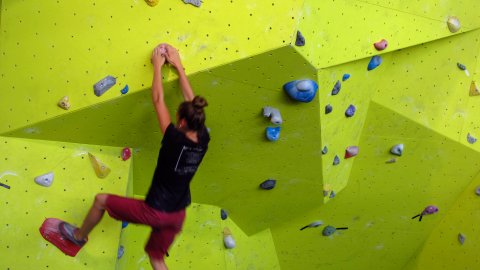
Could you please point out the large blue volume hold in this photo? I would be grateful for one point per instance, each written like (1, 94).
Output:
(301, 90)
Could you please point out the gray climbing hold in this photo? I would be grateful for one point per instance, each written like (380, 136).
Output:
(453, 24)
(332, 194)
(328, 109)
(300, 41)
(196, 3)
(477, 191)
(45, 180)
(461, 238)
(5, 185)
(392, 160)
(461, 66)
(336, 160)
(336, 88)
(268, 184)
(312, 225)
(325, 150)
(350, 111)
(471, 139)
(223, 214)
(273, 114)
(397, 149)
(103, 85)
(121, 251)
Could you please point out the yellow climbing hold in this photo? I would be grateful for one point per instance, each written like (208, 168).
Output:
(101, 169)
(152, 3)
(474, 89)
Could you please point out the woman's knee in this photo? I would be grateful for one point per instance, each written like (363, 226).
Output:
(101, 200)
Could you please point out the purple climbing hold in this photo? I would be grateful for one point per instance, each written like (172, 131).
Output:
(336, 160)
(325, 150)
(477, 191)
(336, 88)
(345, 77)
(381, 45)
(332, 194)
(471, 139)
(429, 210)
(350, 111)
(223, 214)
(328, 109)
(300, 41)
(374, 62)
(268, 184)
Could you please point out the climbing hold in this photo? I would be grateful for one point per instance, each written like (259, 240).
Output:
(325, 193)
(336, 160)
(477, 191)
(5, 185)
(329, 230)
(152, 3)
(345, 77)
(474, 89)
(381, 45)
(124, 224)
(124, 90)
(272, 133)
(350, 111)
(332, 194)
(392, 160)
(228, 239)
(45, 180)
(301, 90)
(196, 3)
(268, 184)
(336, 88)
(429, 210)
(121, 250)
(101, 170)
(126, 153)
(328, 109)
(312, 225)
(103, 85)
(453, 24)
(64, 103)
(273, 113)
(300, 41)
(471, 139)
(351, 151)
(397, 149)
(461, 66)
(325, 150)
(461, 238)
(374, 62)
(223, 214)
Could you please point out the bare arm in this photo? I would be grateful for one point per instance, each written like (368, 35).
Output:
(173, 57)
(157, 90)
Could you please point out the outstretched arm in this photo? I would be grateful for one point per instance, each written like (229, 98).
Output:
(157, 89)
(173, 58)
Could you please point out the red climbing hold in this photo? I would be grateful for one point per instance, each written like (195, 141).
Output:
(51, 233)
(126, 153)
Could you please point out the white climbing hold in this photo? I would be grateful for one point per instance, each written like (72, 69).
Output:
(273, 113)
(453, 24)
(228, 239)
(64, 103)
(397, 149)
(45, 180)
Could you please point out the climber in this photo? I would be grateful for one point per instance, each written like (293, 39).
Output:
(183, 148)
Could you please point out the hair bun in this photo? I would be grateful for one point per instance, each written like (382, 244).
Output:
(199, 102)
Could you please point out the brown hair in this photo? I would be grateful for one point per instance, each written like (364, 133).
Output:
(193, 113)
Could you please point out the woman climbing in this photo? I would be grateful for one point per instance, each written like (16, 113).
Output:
(183, 148)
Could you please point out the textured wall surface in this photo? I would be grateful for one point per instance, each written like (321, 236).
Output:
(238, 54)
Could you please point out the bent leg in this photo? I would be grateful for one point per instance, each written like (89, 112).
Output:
(93, 217)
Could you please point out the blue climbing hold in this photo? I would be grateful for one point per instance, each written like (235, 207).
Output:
(471, 139)
(325, 150)
(374, 62)
(124, 90)
(345, 77)
(272, 133)
(223, 214)
(461, 66)
(350, 111)
(336, 160)
(301, 90)
(332, 194)
(124, 224)
(328, 109)
(336, 88)
(329, 230)
(300, 41)
(268, 184)
(121, 251)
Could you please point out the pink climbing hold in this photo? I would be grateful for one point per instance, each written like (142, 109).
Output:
(381, 45)
(351, 151)
(126, 153)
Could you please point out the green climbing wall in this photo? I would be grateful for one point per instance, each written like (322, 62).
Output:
(238, 54)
